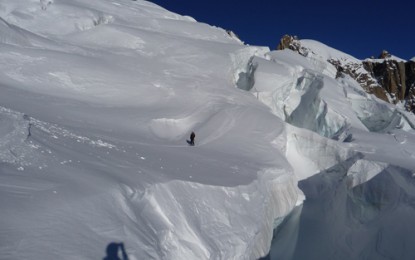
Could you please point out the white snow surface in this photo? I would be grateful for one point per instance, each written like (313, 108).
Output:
(98, 98)
(318, 49)
(392, 57)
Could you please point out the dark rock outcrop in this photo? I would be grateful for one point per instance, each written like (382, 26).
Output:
(410, 85)
(384, 55)
(390, 74)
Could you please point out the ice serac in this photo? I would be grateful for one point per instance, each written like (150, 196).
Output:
(304, 93)
(244, 66)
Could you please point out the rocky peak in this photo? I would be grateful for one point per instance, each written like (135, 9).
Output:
(292, 43)
(385, 54)
(289, 42)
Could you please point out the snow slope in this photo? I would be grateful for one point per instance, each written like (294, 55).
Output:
(98, 98)
(97, 101)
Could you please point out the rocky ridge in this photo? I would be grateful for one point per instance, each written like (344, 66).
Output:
(387, 77)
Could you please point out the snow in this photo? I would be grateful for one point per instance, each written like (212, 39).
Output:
(362, 171)
(347, 223)
(319, 53)
(99, 97)
(325, 52)
(392, 57)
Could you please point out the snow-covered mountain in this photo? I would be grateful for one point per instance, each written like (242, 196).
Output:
(388, 77)
(98, 98)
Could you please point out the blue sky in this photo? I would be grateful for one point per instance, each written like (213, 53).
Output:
(360, 28)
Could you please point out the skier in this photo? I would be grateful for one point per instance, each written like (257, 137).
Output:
(192, 138)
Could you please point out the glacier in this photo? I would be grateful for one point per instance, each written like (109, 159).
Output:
(98, 98)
